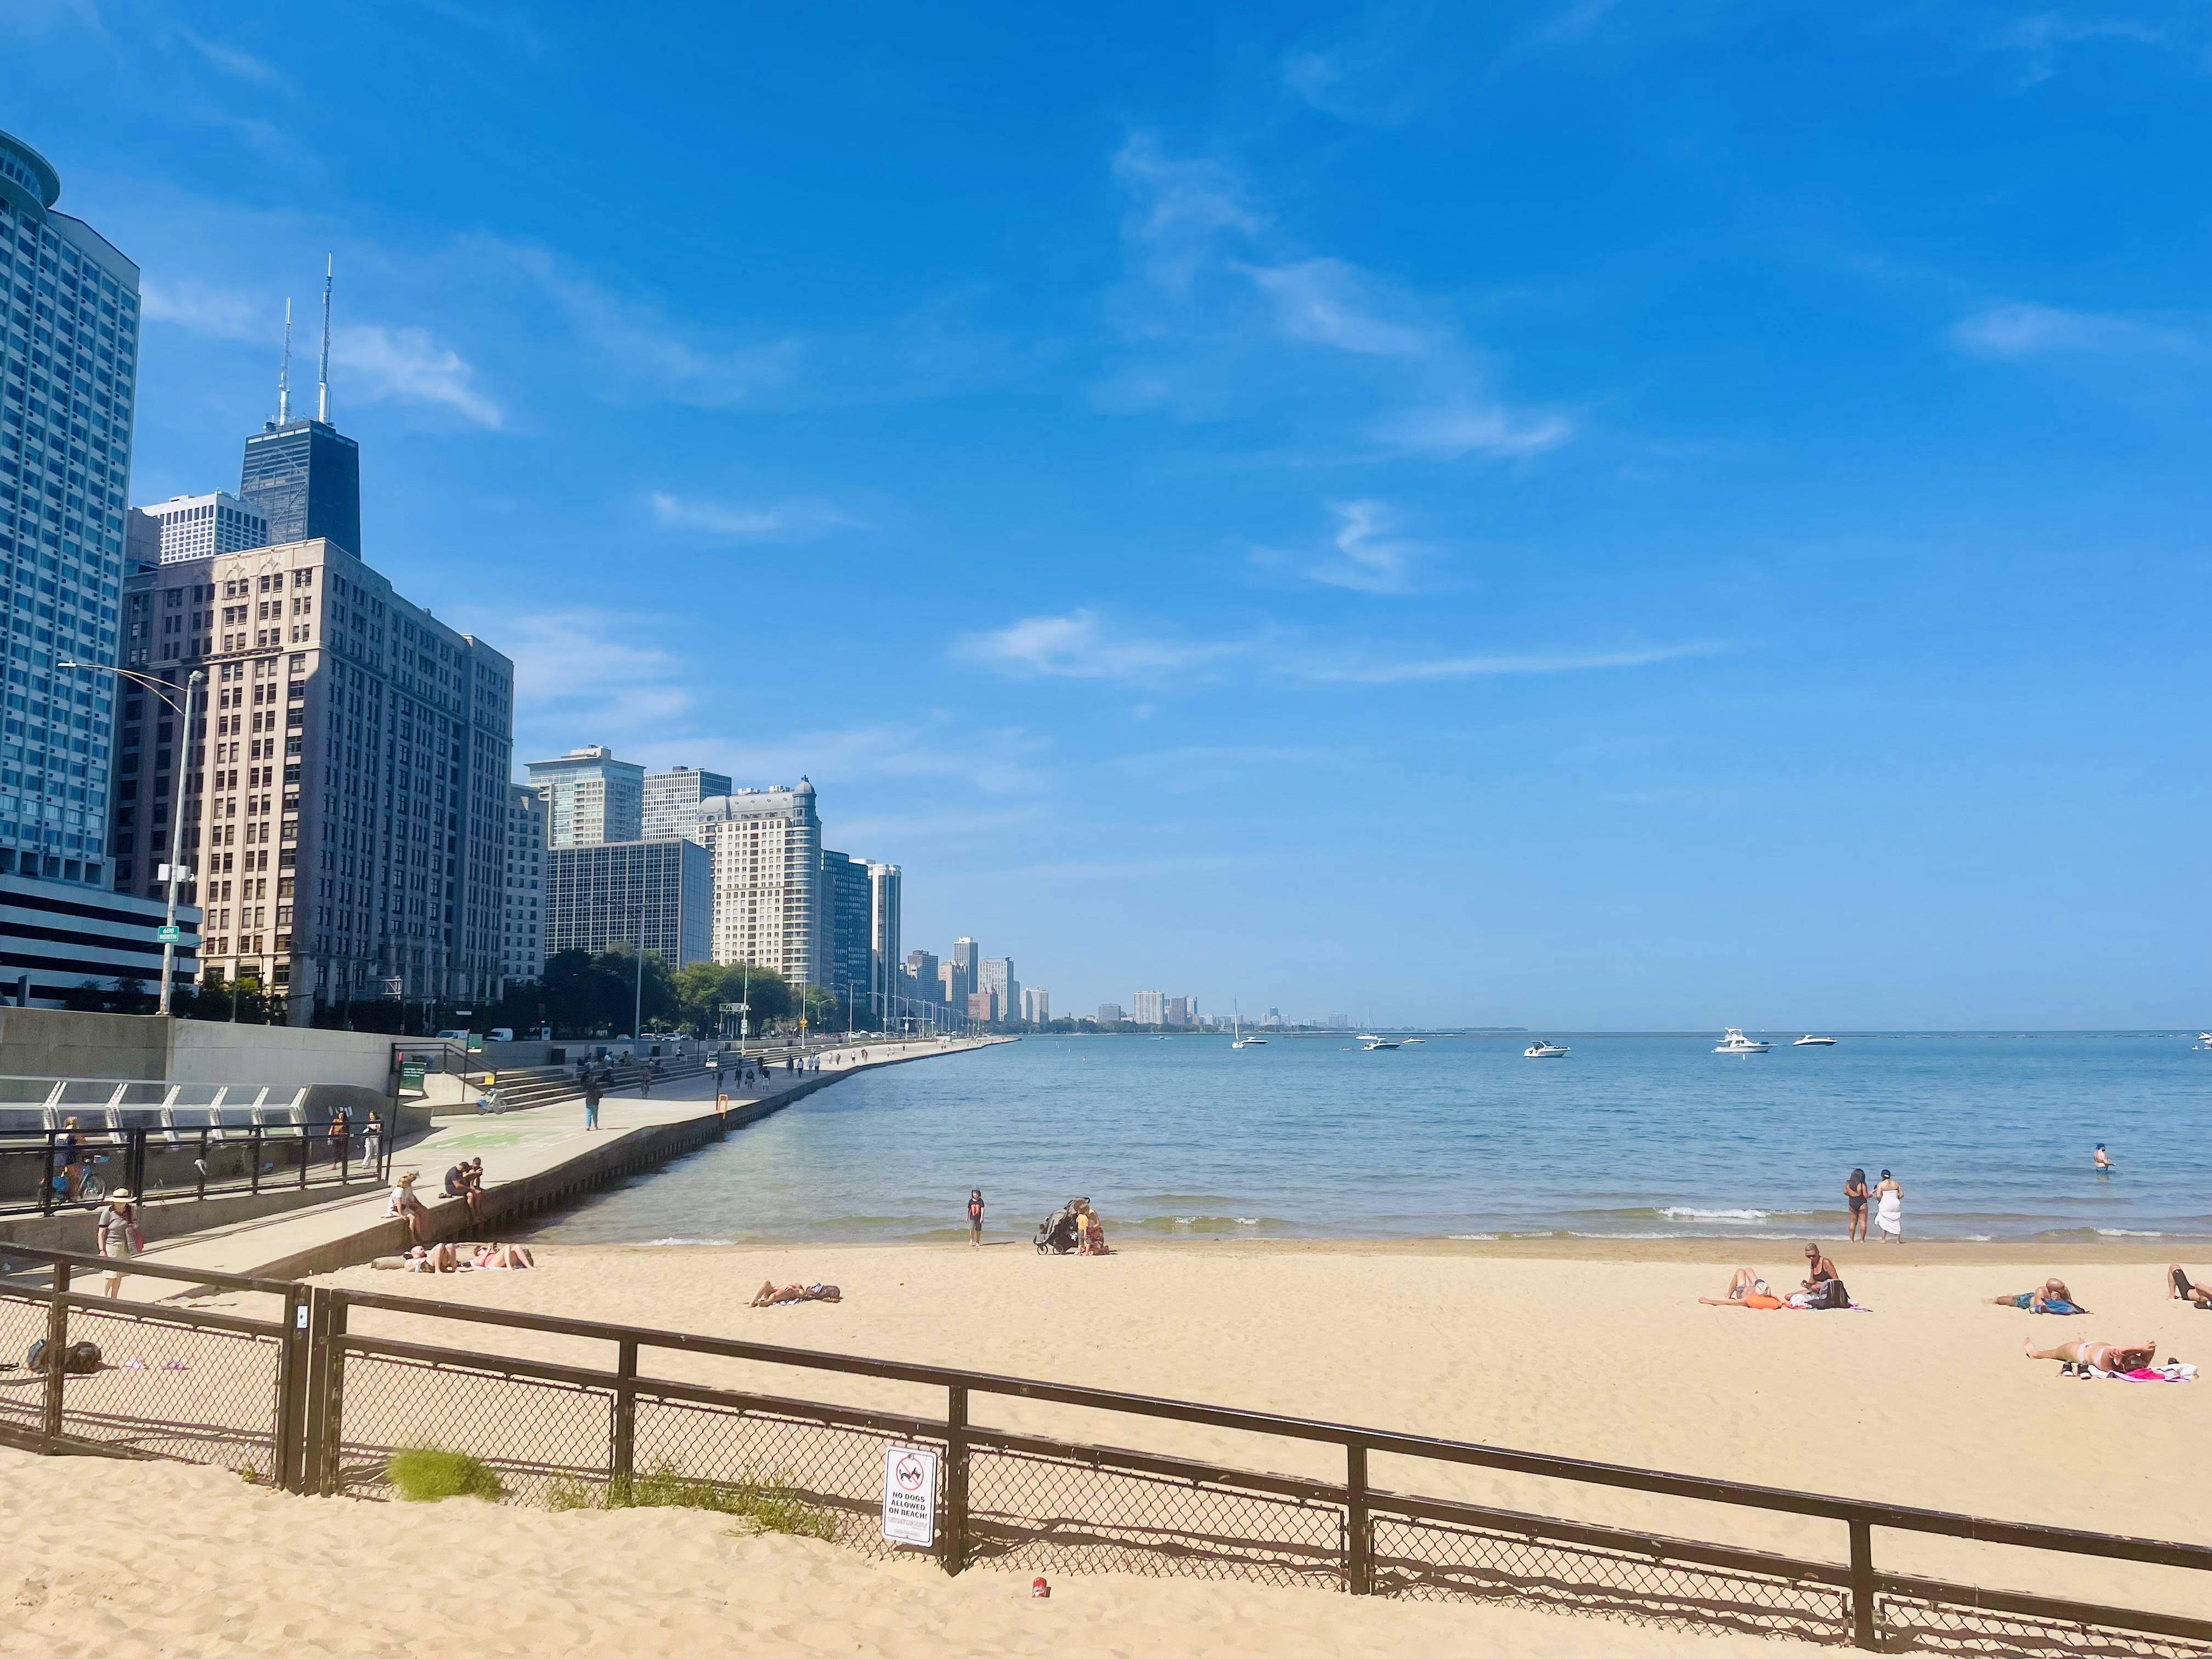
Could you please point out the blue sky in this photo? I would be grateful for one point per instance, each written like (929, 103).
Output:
(1566, 514)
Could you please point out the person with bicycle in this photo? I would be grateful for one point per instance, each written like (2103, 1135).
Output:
(69, 1154)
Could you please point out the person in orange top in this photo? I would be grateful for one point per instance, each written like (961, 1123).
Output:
(1746, 1290)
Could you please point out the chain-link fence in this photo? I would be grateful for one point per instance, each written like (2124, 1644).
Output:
(1910, 1625)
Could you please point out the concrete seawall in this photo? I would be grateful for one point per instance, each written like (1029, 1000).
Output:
(346, 1234)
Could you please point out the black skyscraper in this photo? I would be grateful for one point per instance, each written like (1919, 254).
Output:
(305, 476)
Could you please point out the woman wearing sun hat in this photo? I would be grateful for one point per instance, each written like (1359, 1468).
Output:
(118, 1236)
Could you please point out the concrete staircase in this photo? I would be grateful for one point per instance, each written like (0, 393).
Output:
(548, 1085)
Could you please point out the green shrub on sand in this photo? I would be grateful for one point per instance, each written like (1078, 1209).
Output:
(424, 1474)
(757, 1506)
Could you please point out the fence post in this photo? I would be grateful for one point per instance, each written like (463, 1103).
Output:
(57, 1347)
(294, 1361)
(329, 1472)
(200, 1165)
(1862, 1632)
(955, 1546)
(1359, 1530)
(253, 1152)
(622, 1467)
(138, 1139)
(46, 1181)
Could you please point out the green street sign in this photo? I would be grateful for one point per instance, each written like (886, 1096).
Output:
(411, 1076)
(168, 935)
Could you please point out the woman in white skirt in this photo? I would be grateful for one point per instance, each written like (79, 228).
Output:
(1889, 1209)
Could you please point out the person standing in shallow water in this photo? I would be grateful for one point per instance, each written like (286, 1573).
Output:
(1889, 1211)
(1855, 1194)
(975, 1217)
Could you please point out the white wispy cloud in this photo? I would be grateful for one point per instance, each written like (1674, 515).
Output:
(2033, 331)
(218, 313)
(1418, 670)
(586, 671)
(232, 61)
(1217, 291)
(1369, 557)
(1330, 302)
(406, 365)
(1083, 645)
(789, 520)
(1452, 430)
(2038, 38)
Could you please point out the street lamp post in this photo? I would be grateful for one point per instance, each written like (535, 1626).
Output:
(185, 746)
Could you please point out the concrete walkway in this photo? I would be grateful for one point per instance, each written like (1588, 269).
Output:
(529, 1157)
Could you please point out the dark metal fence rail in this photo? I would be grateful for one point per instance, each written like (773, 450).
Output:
(305, 1401)
(40, 1174)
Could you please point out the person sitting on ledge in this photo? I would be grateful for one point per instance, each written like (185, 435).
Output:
(2112, 1358)
(2177, 1284)
(770, 1295)
(2052, 1298)
(1746, 1290)
(406, 1202)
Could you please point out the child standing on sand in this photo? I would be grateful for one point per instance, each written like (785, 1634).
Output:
(975, 1217)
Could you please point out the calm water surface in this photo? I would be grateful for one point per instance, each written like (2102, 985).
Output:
(1990, 1137)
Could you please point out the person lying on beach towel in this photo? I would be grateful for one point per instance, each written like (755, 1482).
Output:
(431, 1258)
(2110, 1358)
(491, 1256)
(2053, 1297)
(1746, 1290)
(2177, 1284)
(770, 1295)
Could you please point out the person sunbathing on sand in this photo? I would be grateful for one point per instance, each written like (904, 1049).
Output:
(2177, 1284)
(771, 1295)
(2113, 1356)
(2038, 1301)
(433, 1259)
(505, 1256)
(1746, 1290)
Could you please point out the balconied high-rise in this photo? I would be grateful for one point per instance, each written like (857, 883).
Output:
(522, 942)
(344, 790)
(1149, 1008)
(69, 369)
(766, 850)
(885, 901)
(671, 802)
(590, 796)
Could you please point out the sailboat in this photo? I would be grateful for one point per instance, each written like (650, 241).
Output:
(1240, 1040)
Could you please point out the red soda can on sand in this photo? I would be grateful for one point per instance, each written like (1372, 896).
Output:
(1039, 1591)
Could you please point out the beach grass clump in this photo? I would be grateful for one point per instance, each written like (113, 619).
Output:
(426, 1474)
(757, 1505)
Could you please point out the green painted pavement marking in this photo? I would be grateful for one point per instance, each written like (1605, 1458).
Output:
(486, 1137)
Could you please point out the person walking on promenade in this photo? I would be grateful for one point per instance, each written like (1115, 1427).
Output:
(371, 1139)
(975, 1217)
(1855, 1194)
(1889, 1209)
(341, 1131)
(592, 1093)
(116, 1231)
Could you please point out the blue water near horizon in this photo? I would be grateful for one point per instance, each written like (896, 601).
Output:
(1637, 1136)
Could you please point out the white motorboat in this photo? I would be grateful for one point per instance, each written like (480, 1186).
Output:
(1809, 1041)
(1369, 1041)
(1540, 1049)
(1240, 1040)
(1734, 1041)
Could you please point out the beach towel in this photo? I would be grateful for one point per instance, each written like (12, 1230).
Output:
(2055, 1306)
(2173, 1371)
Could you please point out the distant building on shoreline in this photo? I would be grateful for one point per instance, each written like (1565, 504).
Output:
(766, 850)
(1179, 1011)
(846, 901)
(1109, 1013)
(1149, 1008)
(1036, 1005)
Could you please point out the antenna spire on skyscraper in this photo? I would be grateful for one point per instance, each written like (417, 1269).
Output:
(323, 380)
(284, 374)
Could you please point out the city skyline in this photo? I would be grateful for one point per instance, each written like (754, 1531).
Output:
(1699, 571)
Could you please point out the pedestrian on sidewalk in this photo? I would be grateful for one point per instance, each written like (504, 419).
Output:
(341, 1131)
(119, 1239)
(371, 1139)
(592, 1092)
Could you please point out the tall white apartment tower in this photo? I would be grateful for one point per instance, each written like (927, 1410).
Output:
(590, 796)
(884, 899)
(766, 845)
(522, 945)
(68, 370)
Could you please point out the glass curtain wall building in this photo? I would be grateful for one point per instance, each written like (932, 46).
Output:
(845, 902)
(69, 365)
(303, 477)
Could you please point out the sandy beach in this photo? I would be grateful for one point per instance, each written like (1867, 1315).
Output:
(1593, 1350)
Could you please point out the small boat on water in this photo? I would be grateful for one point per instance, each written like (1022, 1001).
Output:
(1734, 1041)
(1813, 1042)
(1540, 1049)
(1240, 1040)
(1370, 1042)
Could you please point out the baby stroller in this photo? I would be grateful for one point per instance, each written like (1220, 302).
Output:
(1055, 1234)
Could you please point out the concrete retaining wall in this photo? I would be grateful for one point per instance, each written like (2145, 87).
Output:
(53, 1042)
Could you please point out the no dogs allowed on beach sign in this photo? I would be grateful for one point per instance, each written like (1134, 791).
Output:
(909, 1495)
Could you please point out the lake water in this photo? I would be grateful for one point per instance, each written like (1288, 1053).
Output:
(1628, 1137)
